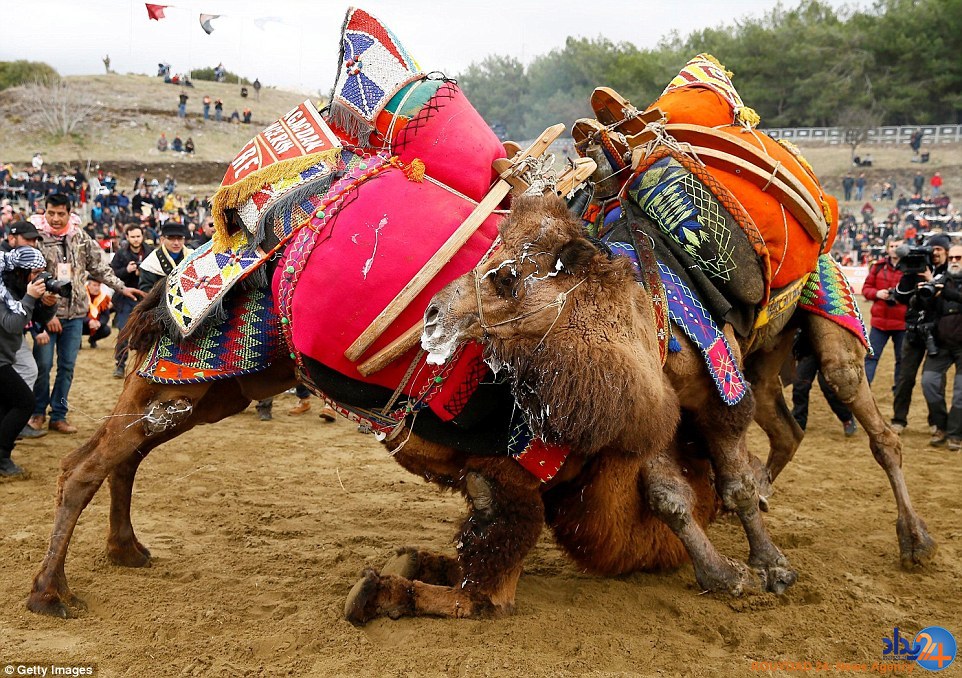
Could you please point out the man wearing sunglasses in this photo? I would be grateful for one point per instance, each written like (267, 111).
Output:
(945, 307)
(919, 336)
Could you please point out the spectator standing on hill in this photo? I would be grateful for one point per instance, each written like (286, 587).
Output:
(72, 256)
(888, 314)
(848, 183)
(257, 89)
(189, 146)
(936, 182)
(206, 102)
(235, 116)
(860, 186)
(218, 110)
(162, 142)
(182, 107)
(918, 181)
(916, 142)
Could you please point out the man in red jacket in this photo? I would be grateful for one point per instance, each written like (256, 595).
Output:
(888, 314)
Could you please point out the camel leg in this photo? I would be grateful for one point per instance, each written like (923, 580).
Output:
(506, 517)
(82, 473)
(723, 428)
(410, 562)
(771, 412)
(225, 398)
(601, 518)
(671, 498)
(842, 360)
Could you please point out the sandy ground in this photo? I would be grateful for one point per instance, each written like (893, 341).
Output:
(259, 530)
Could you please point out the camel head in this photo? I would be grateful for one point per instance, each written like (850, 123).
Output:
(551, 308)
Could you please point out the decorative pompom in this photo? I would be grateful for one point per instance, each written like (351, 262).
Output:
(748, 116)
(414, 170)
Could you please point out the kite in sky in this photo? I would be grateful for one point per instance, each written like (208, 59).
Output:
(156, 12)
(205, 20)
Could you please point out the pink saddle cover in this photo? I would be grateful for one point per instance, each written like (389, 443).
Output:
(385, 232)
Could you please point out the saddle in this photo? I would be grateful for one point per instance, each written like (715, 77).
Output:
(747, 211)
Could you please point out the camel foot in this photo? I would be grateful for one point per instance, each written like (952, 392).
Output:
(54, 604)
(404, 563)
(130, 554)
(729, 576)
(917, 548)
(778, 576)
(361, 604)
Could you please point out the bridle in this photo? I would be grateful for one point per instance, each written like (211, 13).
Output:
(558, 302)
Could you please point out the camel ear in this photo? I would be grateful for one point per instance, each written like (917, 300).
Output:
(575, 255)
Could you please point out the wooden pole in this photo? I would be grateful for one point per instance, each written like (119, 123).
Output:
(440, 258)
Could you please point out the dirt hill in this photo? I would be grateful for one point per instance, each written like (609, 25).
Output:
(135, 109)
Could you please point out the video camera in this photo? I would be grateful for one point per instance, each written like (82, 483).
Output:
(930, 289)
(914, 258)
(62, 287)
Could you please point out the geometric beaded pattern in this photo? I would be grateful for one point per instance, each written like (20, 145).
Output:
(828, 293)
(247, 341)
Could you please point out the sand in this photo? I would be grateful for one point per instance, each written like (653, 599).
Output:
(259, 529)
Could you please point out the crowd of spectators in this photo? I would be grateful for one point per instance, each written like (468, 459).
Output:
(862, 235)
(105, 205)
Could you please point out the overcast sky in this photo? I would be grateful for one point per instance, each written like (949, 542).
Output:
(300, 48)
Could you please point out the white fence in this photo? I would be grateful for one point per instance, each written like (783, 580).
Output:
(932, 134)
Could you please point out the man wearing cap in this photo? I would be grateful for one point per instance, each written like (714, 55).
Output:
(165, 258)
(72, 256)
(16, 397)
(918, 329)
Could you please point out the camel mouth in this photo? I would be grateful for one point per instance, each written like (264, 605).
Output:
(439, 345)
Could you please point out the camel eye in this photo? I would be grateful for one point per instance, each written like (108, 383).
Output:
(505, 283)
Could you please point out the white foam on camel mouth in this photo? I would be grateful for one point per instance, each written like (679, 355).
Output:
(438, 355)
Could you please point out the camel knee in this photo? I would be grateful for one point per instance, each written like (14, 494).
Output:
(479, 492)
(671, 503)
(166, 415)
(739, 493)
(845, 378)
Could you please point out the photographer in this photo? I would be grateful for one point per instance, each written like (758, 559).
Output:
(888, 314)
(945, 307)
(919, 267)
(16, 398)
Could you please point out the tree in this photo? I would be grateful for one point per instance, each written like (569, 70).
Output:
(14, 73)
(57, 108)
(855, 123)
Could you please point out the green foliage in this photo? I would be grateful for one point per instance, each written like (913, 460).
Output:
(208, 74)
(795, 66)
(13, 73)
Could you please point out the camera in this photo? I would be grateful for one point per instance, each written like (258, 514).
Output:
(64, 288)
(926, 332)
(930, 289)
(914, 259)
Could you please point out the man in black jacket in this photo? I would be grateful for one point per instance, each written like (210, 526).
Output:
(918, 330)
(126, 266)
(946, 310)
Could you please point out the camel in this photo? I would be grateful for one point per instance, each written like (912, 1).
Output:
(543, 306)
(507, 506)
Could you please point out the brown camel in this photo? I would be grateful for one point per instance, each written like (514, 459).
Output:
(595, 505)
(577, 334)
(515, 310)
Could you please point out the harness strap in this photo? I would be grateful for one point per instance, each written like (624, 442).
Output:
(651, 279)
